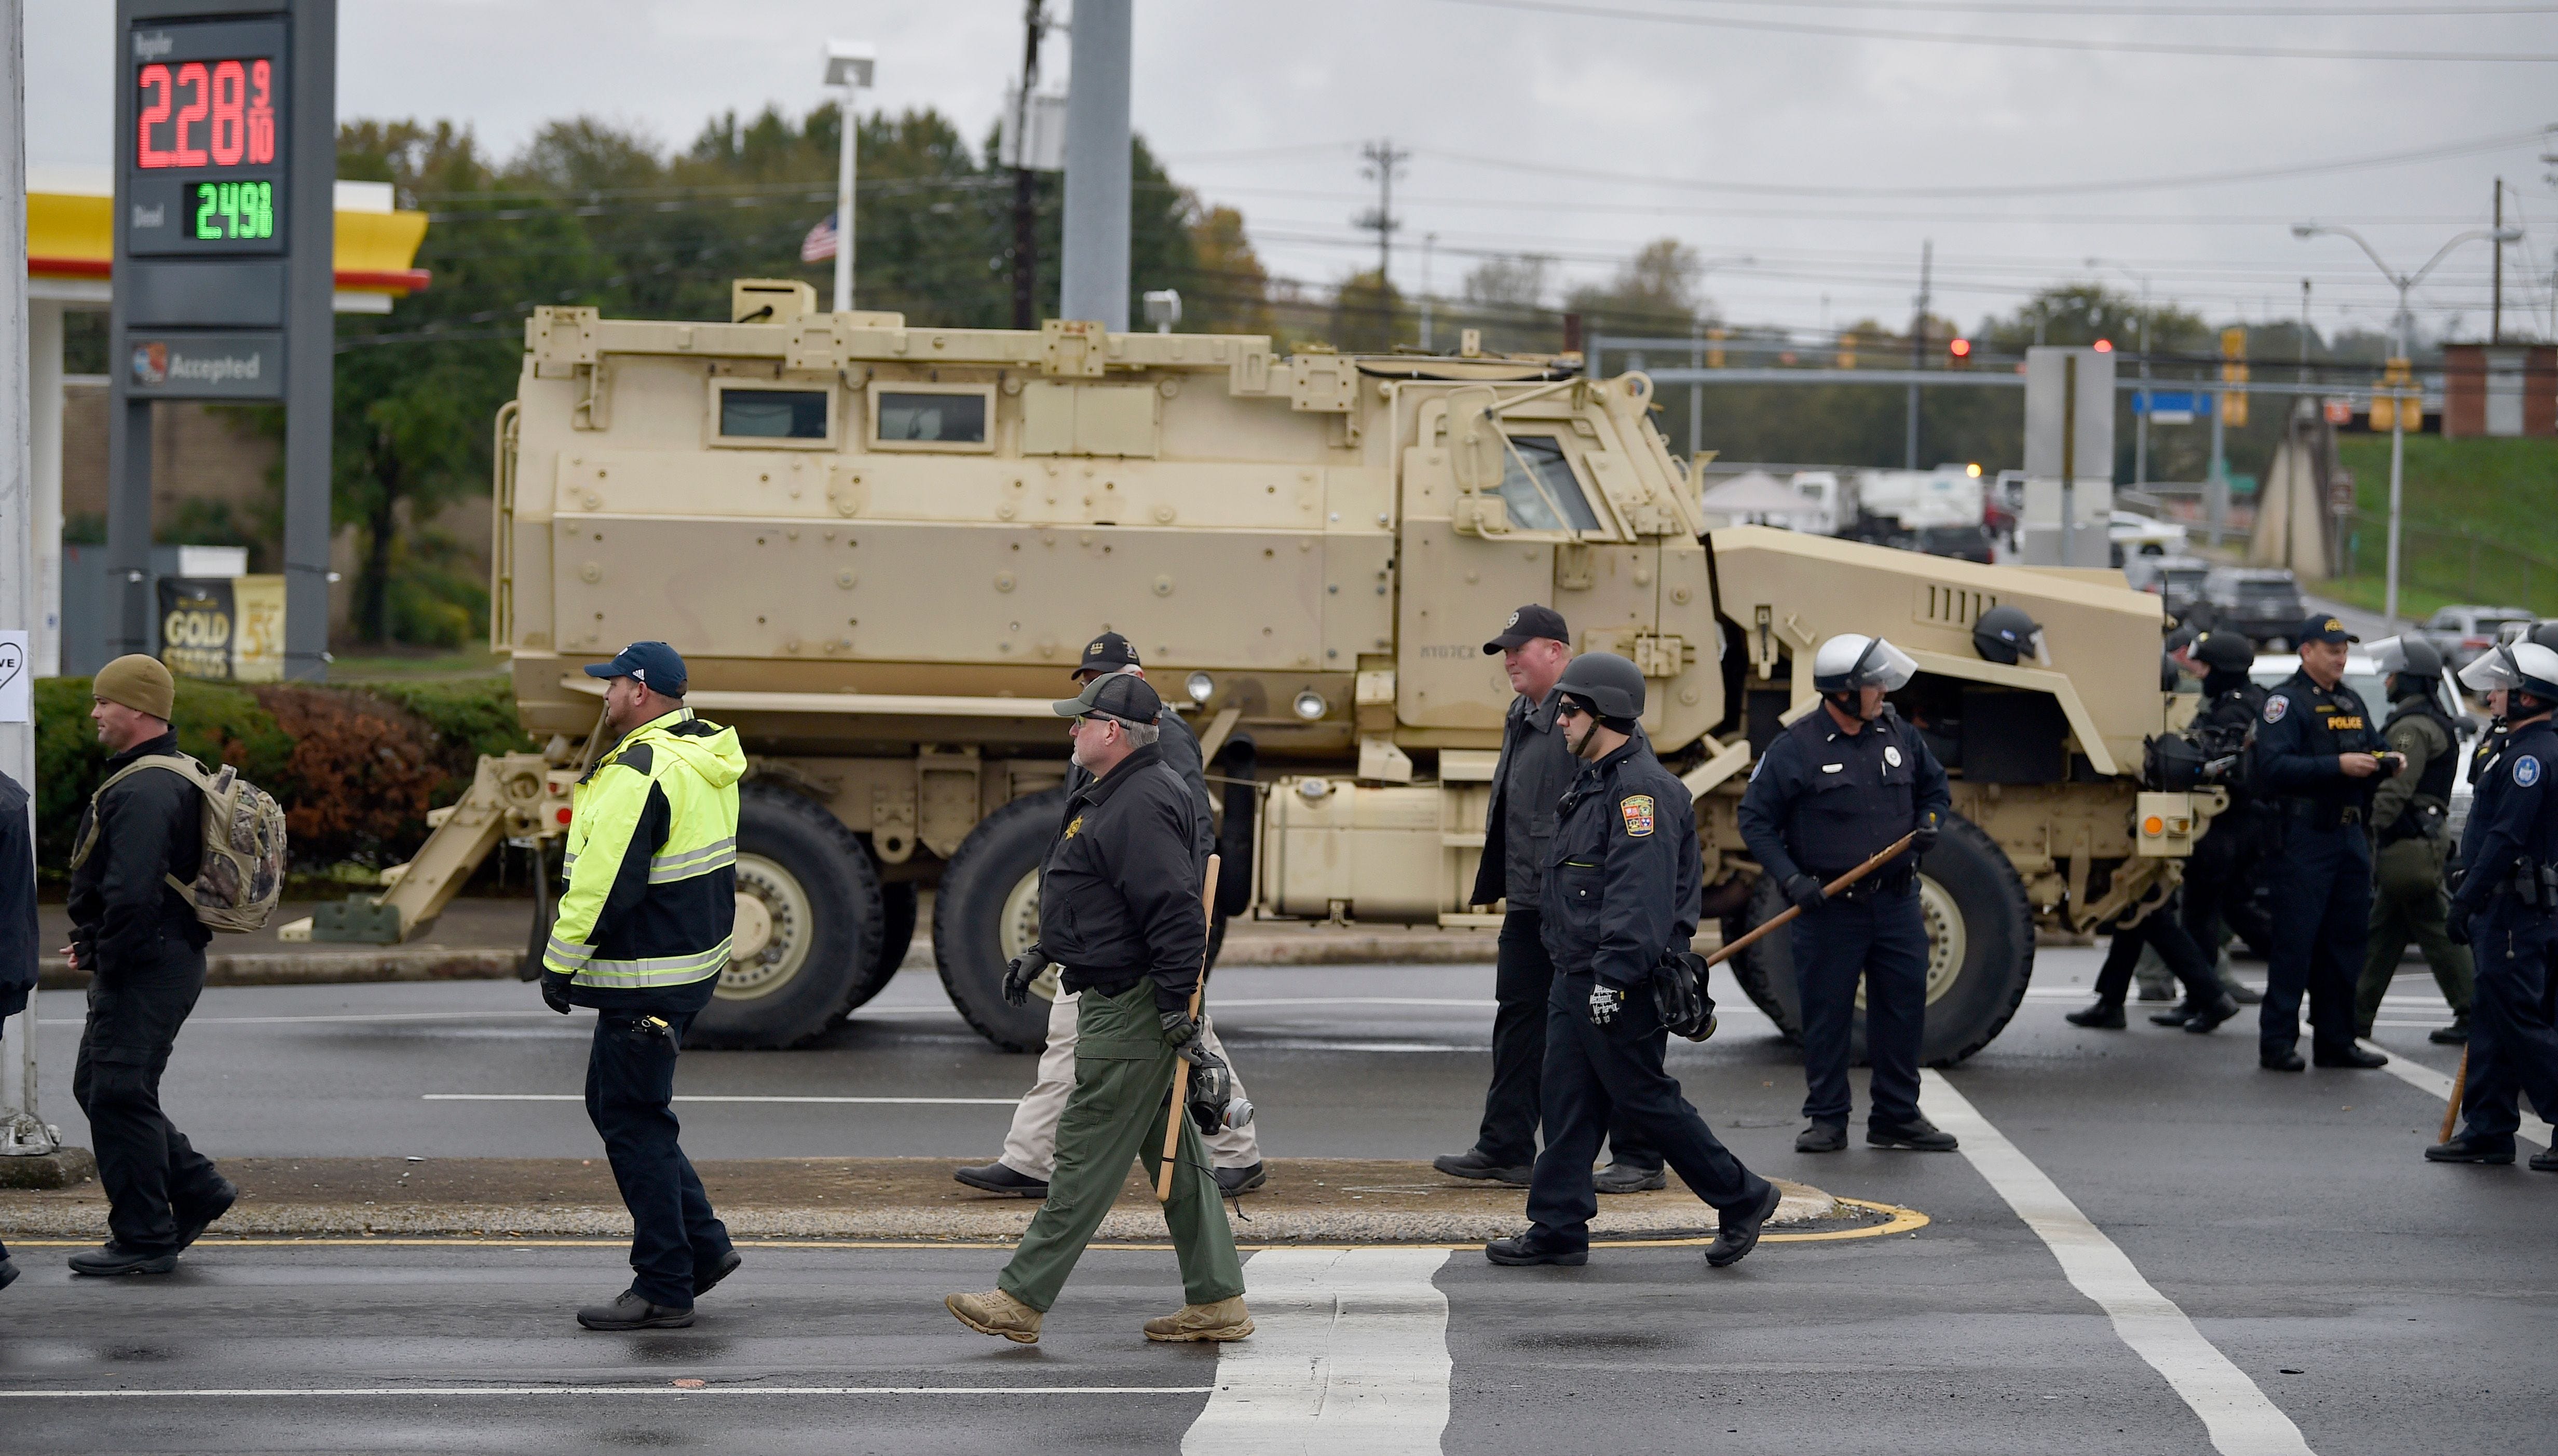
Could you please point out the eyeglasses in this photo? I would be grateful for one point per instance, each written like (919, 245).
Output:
(1569, 709)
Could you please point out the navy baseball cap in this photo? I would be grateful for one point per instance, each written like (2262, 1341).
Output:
(1118, 695)
(1526, 625)
(1107, 653)
(655, 665)
(2323, 627)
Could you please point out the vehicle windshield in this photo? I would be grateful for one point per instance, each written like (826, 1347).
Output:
(2267, 591)
(2490, 625)
(1538, 487)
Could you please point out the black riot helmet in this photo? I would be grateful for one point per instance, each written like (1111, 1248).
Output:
(2407, 657)
(2223, 651)
(1610, 688)
(2005, 633)
(2546, 634)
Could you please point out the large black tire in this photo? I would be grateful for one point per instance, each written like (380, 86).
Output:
(897, 933)
(1971, 996)
(816, 887)
(984, 914)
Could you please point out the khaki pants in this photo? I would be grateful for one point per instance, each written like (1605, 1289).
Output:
(1030, 1148)
(1115, 1116)
(2409, 904)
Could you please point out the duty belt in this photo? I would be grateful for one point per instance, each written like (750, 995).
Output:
(2535, 885)
(2323, 815)
(1887, 882)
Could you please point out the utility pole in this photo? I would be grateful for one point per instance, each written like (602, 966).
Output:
(2305, 331)
(1026, 180)
(1382, 160)
(2496, 309)
(1092, 277)
(1918, 348)
(1429, 241)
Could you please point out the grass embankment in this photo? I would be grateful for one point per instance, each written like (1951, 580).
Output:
(2479, 523)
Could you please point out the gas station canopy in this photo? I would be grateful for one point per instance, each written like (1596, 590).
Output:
(70, 240)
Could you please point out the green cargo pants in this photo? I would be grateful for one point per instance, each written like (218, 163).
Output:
(2409, 904)
(1115, 1115)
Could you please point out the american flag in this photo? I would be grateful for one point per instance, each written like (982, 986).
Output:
(819, 245)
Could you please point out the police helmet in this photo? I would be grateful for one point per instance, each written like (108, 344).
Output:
(1610, 686)
(2524, 667)
(2546, 634)
(2407, 656)
(1852, 660)
(2225, 651)
(2005, 633)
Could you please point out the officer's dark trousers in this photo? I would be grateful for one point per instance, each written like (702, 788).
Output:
(154, 1178)
(2322, 884)
(1522, 985)
(1594, 1074)
(1883, 942)
(2513, 1045)
(2161, 931)
(2220, 883)
(630, 1089)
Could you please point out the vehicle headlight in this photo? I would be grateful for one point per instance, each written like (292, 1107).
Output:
(1311, 705)
(1201, 687)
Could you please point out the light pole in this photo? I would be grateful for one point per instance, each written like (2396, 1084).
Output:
(2141, 420)
(2399, 327)
(1696, 351)
(848, 69)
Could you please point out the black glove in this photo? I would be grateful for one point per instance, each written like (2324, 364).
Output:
(1924, 837)
(555, 991)
(1178, 1029)
(1605, 1002)
(2456, 928)
(1804, 891)
(1024, 969)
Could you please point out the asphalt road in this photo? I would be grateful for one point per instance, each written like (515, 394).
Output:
(2275, 1241)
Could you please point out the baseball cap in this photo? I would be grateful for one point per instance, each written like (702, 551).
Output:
(1107, 653)
(655, 665)
(1526, 625)
(1118, 695)
(2323, 627)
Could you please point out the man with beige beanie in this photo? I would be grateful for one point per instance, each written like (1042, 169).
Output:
(144, 951)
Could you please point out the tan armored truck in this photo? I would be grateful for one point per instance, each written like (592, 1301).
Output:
(881, 547)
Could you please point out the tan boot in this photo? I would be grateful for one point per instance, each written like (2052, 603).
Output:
(1224, 1320)
(997, 1313)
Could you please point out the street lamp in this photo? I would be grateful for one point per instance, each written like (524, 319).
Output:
(2399, 327)
(2141, 420)
(848, 69)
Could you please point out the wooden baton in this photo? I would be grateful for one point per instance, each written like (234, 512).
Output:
(1181, 1066)
(1787, 914)
(2459, 1088)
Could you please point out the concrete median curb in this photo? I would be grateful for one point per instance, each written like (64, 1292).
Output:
(1311, 1201)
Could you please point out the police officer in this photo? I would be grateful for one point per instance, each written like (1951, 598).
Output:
(1534, 770)
(2507, 909)
(1837, 788)
(1623, 886)
(2411, 822)
(18, 929)
(1120, 913)
(2220, 876)
(143, 948)
(2319, 756)
(642, 937)
(1030, 1147)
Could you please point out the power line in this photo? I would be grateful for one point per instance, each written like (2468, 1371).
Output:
(2145, 12)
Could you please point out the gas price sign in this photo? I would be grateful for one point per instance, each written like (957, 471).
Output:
(205, 157)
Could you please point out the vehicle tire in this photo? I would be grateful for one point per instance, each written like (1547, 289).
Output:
(1976, 976)
(987, 911)
(808, 925)
(896, 934)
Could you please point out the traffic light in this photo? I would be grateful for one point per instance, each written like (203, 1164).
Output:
(1847, 352)
(1959, 353)
(2233, 371)
(2398, 402)
(2104, 346)
(1714, 347)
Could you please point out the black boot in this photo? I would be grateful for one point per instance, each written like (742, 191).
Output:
(192, 1223)
(1529, 1248)
(1472, 1163)
(1917, 1135)
(1736, 1234)
(1821, 1138)
(2177, 1015)
(632, 1311)
(8, 1272)
(2207, 1019)
(1622, 1177)
(2103, 1016)
(707, 1275)
(999, 1177)
(2351, 1058)
(2454, 1035)
(1235, 1182)
(115, 1258)
(2279, 1059)
(2546, 1162)
(2470, 1147)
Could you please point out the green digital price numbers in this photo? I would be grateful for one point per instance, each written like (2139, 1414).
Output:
(231, 211)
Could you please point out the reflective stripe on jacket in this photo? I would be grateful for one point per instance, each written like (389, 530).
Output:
(651, 866)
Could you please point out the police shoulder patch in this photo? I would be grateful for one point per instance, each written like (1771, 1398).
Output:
(2527, 770)
(2276, 707)
(1074, 826)
(1638, 809)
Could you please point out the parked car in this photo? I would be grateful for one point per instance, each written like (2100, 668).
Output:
(1963, 542)
(2263, 602)
(2135, 534)
(2177, 581)
(2462, 633)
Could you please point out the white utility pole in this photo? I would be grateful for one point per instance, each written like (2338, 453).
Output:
(849, 64)
(1092, 273)
(1429, 240)
(2140, 416)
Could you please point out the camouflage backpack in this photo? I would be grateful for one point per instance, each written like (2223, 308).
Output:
(243, 868)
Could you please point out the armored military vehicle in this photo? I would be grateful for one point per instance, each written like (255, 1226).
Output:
(880, 548)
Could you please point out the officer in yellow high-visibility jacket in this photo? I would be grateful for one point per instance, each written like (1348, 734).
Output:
(642, 937)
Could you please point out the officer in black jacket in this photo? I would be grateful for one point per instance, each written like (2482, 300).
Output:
(1534, 770)
(1841, 785)
(144, 951)
(1622, 890)
(17, 926)
(2508, 910)
(2319, 754)
(2221, 877)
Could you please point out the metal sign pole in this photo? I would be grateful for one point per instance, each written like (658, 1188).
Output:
(310, 339)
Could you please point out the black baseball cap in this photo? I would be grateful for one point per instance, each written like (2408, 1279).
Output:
(2323, 627)
(657, 665)
(1117, 695)
(1526, 625)
(1107, 653)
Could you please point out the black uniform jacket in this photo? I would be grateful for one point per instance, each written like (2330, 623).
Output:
(1518, 829)
(1822, 802)
(2300, 731)
(17, 933)
(1119, 894)
(1181, 754)
(2513, 820)
(148, 826)
(1626, 877)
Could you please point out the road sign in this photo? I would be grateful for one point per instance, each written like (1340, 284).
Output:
(2172, 406)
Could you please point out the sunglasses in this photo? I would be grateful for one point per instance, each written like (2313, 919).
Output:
(1569, 709)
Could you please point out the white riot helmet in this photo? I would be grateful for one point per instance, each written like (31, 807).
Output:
(2522, 666)
(1852, 660)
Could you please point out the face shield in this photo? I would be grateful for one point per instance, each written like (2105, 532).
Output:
(2389, 655)
(2492, 670)
(1854, 663)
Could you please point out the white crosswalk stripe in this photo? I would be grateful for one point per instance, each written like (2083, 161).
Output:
(1349, 1354)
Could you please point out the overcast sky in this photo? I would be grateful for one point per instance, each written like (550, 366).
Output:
(1830, 156)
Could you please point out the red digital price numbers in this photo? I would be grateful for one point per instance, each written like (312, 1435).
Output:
(206, 114)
